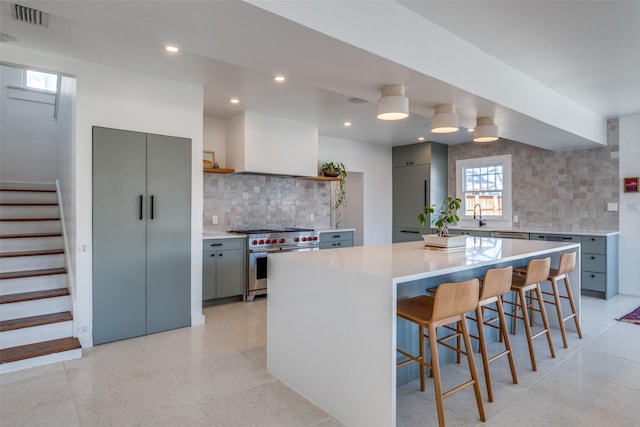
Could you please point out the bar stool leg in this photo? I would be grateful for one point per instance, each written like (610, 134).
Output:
(507, 342)
(545, 320)
(527, 328)
(556, 298)
(435, 370)
(422, 358)
(472, 368)
(484, 351)
(572, 303)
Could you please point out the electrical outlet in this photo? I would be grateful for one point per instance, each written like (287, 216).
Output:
(82, 329)
(515, 218)
(214, 219)
(311, 217)
(612, 207)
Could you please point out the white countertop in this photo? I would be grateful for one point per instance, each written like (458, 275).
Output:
(333, 230)
(403, 262)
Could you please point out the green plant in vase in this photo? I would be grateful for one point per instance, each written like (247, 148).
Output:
(447, 215)
(337, 170)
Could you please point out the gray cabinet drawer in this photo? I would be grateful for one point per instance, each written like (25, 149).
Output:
(335, 236)
(594, 244)
(338, 244)
(594, 281)
(222, 244)
(565, 238)
(594, 263)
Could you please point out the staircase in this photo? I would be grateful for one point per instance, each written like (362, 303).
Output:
(36, 324)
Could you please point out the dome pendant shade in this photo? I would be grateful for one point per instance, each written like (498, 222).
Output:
(485, 130)
(445, 120)
(393, 105)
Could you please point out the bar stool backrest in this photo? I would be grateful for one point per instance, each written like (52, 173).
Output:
(538, 270)
(496, 282)
(454, 299)
(567, 263)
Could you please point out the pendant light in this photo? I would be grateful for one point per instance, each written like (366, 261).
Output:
(445, 120)
(486, 130)
(393, 104)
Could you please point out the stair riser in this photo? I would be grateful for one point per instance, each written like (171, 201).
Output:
(36, 334)
(27, 197)
(30, 244)
(31, 284)
(37, 307)
(40, 361)
(29, 212)
(17, 227)
(23, 263)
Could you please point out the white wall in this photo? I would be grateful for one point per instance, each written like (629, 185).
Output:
(215, 138)
(118, 98)
(22, 143)
(374, 161)
(629, 205)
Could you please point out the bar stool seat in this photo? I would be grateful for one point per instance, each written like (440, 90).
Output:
(449, 305)
(528, 286)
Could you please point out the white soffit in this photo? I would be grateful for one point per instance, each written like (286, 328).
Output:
(421, 45)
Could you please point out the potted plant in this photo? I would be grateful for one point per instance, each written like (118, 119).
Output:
(337, 170)
(447, 215)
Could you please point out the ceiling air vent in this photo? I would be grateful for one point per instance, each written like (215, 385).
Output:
(29, 15)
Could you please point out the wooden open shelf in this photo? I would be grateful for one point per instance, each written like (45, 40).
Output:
(218, 170)
(320, 178)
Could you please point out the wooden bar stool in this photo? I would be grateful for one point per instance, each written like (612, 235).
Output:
(567, 265)
(537, 272)
(449, 305)
(495, 284)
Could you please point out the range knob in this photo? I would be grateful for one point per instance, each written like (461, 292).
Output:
(267, 241)
(282, 240)
(254, 242)
(296, 239)
(261, 242)
(304, 239)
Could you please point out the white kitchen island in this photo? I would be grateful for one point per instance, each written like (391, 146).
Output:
(331, 315)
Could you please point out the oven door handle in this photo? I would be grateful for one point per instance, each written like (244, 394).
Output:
(264, 251)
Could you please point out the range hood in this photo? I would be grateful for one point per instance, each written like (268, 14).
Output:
(258, 143)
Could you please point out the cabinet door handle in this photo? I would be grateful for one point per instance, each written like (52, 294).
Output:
(216, 244)
(593, 257)
(335, 236)
(152, 206)
(140, 206)
(220, 254)
(213, 254)
(425, 192)
(410, 231)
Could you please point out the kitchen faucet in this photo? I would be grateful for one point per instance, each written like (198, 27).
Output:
(481, 222)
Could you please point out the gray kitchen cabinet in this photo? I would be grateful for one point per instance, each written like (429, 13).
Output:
(141, 234)
(336, 239)
(419, 179)
(599, 262)
(223, 268)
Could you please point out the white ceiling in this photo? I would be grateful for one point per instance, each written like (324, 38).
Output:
(568, 65)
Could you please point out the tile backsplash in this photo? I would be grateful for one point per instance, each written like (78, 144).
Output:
(248, 201)
(564, 191)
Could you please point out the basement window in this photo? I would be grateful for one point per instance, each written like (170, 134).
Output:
(40, 80)
(486, 182)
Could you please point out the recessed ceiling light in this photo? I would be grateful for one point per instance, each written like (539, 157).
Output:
(234, 101)
(172, 49)
(279, 78)
(347, 124)
(421, 138)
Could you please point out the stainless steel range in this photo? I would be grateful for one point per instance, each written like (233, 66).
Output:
(261, 242)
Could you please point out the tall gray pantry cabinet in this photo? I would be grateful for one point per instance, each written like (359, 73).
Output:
(141, 234)
(419, 179)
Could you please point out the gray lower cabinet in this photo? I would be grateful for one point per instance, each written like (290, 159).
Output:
(336, 239)
(141, 234)
(223, 268)
(599, 262)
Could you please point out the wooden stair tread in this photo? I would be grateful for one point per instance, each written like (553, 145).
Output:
(28, 219)
(32, 273)
(28, 190)
(29, 204)
(28, 322)
(30, 296)
(29, 235)
(13, 354)
(31, 253)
